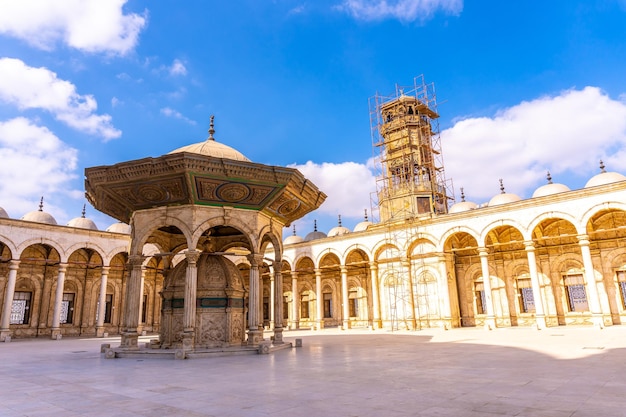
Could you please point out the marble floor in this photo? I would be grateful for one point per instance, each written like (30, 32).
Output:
(559, 372)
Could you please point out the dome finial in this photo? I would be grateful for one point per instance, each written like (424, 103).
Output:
(294, 229)
(549, 177)
(602, 166)
(365, 214)
(212, 128)
(502, 187)
(462, 195)
(315, 225)
(41, 204)
(83, 214)
(339, 221)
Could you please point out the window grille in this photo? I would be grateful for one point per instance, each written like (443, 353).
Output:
(576, 293)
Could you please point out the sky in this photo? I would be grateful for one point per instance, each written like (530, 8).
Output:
(522, 87)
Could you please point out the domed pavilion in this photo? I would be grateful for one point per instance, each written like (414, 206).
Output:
(202, 206)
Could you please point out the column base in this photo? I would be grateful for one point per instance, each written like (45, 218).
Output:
(597, 320)
(130, 341)
(55, 334)
(254, 337)
(540, 322)
(100, 332)
(490, 323)
(188, 341)
(278, 336)
(345, 325)
(5, 335)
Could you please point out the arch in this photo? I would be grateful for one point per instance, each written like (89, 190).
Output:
(606, 206)
(445, 237)
(9, 244)
(560, 215)
(508, 223)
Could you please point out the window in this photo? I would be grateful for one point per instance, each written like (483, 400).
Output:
(328, 298)
(479, 294)
(304, 306)
(621, 280)
(266, 308)
(67, 308)
(525, 293)
(353, 304)
(20, 308)
(285, 309)
(144, 308)
(576, 293)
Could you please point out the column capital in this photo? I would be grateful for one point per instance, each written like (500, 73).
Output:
(373, 265)
(583, 240)
(14, 264)
(192, 256)
(136, 260)
(105, 269)
(255, 259)
(63, 267)
(318, 271)
(343, 269)
(483, 251)
(529, 246)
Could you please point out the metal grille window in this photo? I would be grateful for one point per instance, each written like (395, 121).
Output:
(621, 280)
(479, 294)
(576, 293)
(527, 299)
(304, 306)
(20, 308)
(353, 304)
(328, 298)
(67, 308)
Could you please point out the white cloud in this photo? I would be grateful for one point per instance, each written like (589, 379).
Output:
(35, 163)
(403, 10)
(39, 88)
(87, 25)
(565, 134)
(348, 186)
(169, 112)
(177, 68)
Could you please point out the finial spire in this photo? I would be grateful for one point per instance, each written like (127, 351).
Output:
(315, 225)
(294, 229)
(212, 128)
(365, 214)
(339, 221)
(84, 206)
(41, 204)
(502, 187)
(549, 177)
(602, 166)
(462, 195)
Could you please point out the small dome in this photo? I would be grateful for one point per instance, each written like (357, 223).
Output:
(339, 230)
(503, 197)
(3, 214)
(314, 234)
(293, 239)
(211, 147)
(82, 223)
(362, 226)
(463, 206)
(39, 216)
(604, 178)
(549, 189)
(119, 227)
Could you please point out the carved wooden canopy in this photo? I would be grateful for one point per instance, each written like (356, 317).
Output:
(186, 178)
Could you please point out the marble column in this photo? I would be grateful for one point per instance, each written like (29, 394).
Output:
(590, 279)
(377, 323)
(191, 285)
(345, 311)
(143, 280)
(319, 299)
(444, 293)
(490, 320)
(58, 300)
(406, 266)
(295, 298)
(272, 296)
(255, 335)
(540, 315)
(102, 296)
(130, 320)
(5, 330)
(278, 304)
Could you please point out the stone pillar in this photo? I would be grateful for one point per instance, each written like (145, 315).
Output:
(540, 315)
(278, 304)
(102, 297)
(5, 331)
(58, 299)
(130, 320)
(272, 296)
(377, 323)
(295, 298)
(444, 293)
(143, 280)
(590, 279)
(406, 266)
(345, 310)
(191, 285)
(319, 299)
(490, 321)
(255, 335)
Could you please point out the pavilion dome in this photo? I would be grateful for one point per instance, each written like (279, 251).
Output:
(210, 147)
(503, 197)
(604, 178)
(119, 227)
(82, 222)
(550, 188)
(339, 230)
(39, 216)
(3, 214)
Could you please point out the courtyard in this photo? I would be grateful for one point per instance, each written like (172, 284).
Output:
(560, 372)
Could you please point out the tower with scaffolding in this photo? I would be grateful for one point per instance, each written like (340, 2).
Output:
(411, 188)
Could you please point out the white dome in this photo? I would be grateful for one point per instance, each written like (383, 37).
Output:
(503, 198)
(3, 214)
(338, 231)
(293, 239)
(315, 235)
(119, 227)
(604, 178)
(363, 226)
(462, 206)
(39, 216)
(82, 223)
(549, 189)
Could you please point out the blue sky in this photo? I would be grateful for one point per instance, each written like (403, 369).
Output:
(522, 87)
